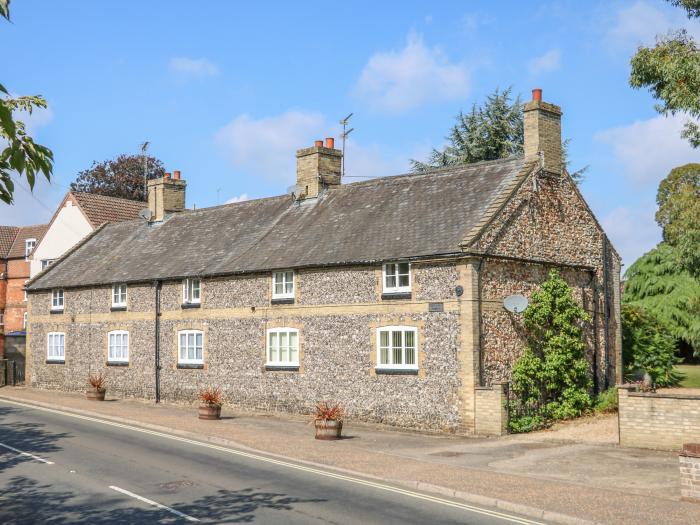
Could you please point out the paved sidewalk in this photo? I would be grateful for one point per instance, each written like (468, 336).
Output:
(600, 483)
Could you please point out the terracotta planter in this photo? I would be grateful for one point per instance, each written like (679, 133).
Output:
(96, 395)
(209, 412)
(328, 428)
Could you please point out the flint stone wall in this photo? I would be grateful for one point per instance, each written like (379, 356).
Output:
(337, 352)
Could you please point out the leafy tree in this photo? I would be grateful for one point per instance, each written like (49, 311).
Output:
(489, 132)
(21, 154)
(551, 380)
(659, 284)
(121, 177)
(678, 198)
(648, 346)
(671, 72)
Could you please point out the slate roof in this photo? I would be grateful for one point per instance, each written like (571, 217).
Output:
(23, 233)
(403, 216)
(100, 208)
(7, 237)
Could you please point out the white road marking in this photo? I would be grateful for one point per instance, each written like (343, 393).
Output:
(8, 447)
(154, 503)
(287, 464)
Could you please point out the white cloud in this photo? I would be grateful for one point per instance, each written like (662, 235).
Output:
(238, 198)
(266, 147)
(396, 81)
(648, 149)
(640, 23)
(550, 61)
(193, 67)
(633, 232)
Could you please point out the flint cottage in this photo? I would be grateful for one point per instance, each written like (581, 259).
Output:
(385, 295)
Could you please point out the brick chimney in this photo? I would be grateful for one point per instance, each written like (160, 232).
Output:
(543, 132)
(318, 167)
(166, 195)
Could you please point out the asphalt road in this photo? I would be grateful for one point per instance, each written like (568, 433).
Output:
(83, 471)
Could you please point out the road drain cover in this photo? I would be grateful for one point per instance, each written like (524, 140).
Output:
(174, 486)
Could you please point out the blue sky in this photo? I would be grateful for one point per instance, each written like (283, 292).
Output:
(226, 92)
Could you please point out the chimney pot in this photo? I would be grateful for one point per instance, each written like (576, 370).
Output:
(318, 144)
(330, 142)
(167, 175)
(176, 174)
(537, 94)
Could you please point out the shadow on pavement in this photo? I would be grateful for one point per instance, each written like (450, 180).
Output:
(26, 501)
(27, 437)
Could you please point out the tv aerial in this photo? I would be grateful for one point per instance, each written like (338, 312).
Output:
(146, 214)
(344, 136)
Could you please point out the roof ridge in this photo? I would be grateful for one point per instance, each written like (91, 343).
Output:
(106, 196)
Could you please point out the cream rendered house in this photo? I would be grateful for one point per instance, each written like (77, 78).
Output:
(78, 215)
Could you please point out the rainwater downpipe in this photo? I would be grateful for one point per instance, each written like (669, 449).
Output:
(157, 286)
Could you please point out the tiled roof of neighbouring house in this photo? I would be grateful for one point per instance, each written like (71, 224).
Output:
(7, 237)
(381, 219)
(24, 233)
(100, 209)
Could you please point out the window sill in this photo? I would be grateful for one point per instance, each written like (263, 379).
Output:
(397, 371)
(282, 368)
(187, 306)
(190, 366)
(117, 363)
(118, 309)
(283, 300)
(57, 311)
(55, 362)
(396, 295)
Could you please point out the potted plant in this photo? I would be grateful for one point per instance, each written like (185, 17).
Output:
(211, 401)
(328, 420)
(97, 389)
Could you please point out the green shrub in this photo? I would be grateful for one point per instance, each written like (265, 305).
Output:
(606, 401)
(551, 380)
(648, 346)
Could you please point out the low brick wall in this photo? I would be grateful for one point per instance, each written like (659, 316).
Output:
(658, 420)
(491, 414)
(690, 472)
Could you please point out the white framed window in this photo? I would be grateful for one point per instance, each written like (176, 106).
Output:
(397, 347)
(283, 285)
(283, 347)
(190, 347)
(45, 263)
(29, 245)
(56, 346)
(118, 346)
(57, 299)
(396, 277)
(192, 290)
(24, 320)
(26, 293)
(119, 295)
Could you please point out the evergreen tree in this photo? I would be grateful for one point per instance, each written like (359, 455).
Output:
(659, 284)
(551, 380)
(489, 132)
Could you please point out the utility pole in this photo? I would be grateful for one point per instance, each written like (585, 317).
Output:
(344, 136)
(144, 147)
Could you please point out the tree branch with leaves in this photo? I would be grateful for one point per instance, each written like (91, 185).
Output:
(20, 154)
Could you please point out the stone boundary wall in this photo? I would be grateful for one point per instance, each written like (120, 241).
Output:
(658, 420)
(491, 410)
